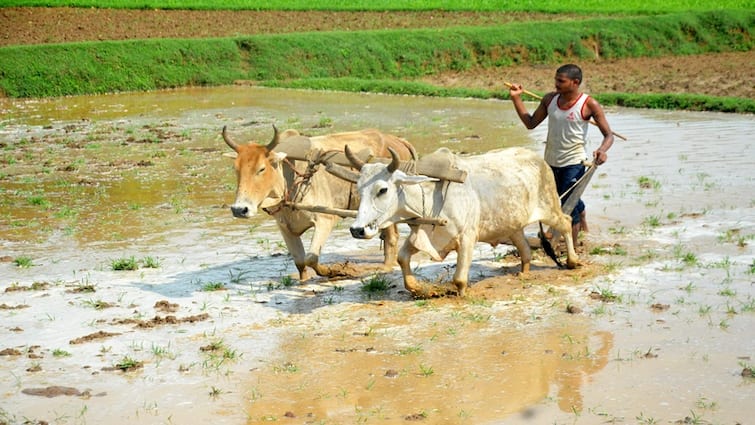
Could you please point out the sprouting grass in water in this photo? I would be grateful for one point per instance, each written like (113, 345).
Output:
(376, 283)
(213, 286)
(651, 221)
(215, 392)
(606, 295)
(648, 183)
(38, 201)
(65, 212)
(612, 250)
(287, 367)
(425, 370)
(127, 363)
(120, 264)
(287, 281)
(151, 262)
(410, 350)
(23, 262)
(59, 352)
(97, 304)
(735, 236)
(686, 257)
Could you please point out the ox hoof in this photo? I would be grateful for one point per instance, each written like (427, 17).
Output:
(305, 275)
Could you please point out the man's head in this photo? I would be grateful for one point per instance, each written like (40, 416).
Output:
(571, 71)
(568, 78)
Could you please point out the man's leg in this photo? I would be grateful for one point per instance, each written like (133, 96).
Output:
(583, 222)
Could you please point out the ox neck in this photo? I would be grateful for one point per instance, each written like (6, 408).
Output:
(417, 203)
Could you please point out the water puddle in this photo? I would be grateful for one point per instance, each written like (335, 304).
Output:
(661, 314)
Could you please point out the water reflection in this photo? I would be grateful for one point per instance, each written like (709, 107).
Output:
(441, 362)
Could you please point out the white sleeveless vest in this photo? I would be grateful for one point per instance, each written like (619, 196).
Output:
(567, 133)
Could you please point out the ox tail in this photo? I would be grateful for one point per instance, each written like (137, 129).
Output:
(548, 248)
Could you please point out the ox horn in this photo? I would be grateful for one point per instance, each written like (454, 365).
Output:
(233, 145)
(393, 166)
(276, 138)
(343, 173)
(355, 162)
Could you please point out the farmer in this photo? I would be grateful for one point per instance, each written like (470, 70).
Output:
(569, 112)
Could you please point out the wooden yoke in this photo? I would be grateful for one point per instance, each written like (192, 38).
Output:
(440, 167)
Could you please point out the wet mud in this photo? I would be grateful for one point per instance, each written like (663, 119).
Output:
(206, 322)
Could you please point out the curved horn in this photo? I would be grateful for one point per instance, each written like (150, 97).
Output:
(233, 145)
(343, 173)
(276, 138)
(393, 166)
(355, 162)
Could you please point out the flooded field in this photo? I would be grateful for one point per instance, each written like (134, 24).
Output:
(658, 326)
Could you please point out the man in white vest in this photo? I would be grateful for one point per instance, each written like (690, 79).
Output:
(569, 112)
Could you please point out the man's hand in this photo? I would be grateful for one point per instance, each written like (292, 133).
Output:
(515, 90)
(600, 157)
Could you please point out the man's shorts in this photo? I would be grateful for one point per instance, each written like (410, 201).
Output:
(566, 177)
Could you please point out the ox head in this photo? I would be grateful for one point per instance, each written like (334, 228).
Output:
(260, 183)
(383, 201)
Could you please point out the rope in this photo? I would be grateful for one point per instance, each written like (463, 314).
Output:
(568, 191)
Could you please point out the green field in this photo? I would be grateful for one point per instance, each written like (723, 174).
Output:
(386, 61)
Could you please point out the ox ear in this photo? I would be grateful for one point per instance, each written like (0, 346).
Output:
(233, 155)
(403, 178)
(276, 157)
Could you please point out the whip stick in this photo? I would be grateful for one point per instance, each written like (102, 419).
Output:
(538, 97)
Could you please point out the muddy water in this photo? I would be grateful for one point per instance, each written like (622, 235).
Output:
(88, 179)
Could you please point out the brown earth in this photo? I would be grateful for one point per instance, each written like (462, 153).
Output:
(715, 74)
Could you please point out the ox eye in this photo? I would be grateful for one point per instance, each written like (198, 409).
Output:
(261, 170)
(382, 191)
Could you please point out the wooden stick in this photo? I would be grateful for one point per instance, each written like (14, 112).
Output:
(538, 97)
(351, 214)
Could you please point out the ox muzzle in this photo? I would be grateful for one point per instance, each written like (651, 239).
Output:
(358, 232)
(240, 211)
(366, 232)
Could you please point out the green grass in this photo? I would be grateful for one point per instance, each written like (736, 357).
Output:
(548, 6)
(380, 61)
(377, 283)
(120, 264)
(23, 262)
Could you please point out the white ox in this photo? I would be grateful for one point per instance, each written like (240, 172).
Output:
(266, 180)
(505, 190)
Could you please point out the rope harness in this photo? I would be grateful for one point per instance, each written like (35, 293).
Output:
(302, 180)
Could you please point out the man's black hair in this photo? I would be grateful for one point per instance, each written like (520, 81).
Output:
(572, 71)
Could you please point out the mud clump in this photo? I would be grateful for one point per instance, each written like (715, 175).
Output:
(93, 337)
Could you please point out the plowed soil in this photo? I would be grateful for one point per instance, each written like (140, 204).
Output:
(720, 74)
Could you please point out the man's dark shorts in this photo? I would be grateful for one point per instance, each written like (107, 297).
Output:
(566, 177)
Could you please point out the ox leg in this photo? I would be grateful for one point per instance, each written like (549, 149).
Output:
(323, 226)
(525, 252)
(562, 224)
(390, 246)
(464, 254)
(404, 260)
(296, 251)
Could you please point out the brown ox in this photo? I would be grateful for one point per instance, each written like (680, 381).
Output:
(267, 181)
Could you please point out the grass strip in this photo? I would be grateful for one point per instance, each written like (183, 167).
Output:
(689, 102)
(99, 67)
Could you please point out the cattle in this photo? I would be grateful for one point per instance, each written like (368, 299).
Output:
(505, 190)
(267, 180)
